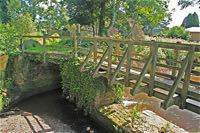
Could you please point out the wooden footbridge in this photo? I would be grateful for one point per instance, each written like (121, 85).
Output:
(169, 79)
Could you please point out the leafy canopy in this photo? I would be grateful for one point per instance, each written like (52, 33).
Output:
(116, 13)
(10, 32)
(187, 3)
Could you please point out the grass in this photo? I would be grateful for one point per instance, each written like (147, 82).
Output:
(134, 113)
(49, 49)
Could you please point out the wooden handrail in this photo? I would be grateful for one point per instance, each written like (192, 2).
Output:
(150, 63)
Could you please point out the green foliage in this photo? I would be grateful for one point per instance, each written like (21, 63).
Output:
(3, 98)
(192, 20)
(115, 13)
(35, 47)
(79, 85)
(176, 32)
(4, 17)
(8, 41)
(118, 92)
(148, 13)
(135, 113)
(47, 14)
(23, 24)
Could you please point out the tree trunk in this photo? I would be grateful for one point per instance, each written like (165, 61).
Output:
(114, 13)
(101, 17)
(4, 8)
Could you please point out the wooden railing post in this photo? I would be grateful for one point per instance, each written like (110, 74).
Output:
(154, 52)
(109, 70)
(129, 62)
(117, 48)
(186, 83)
(76, 31)
(174, 71)
(75, 45)
(169, 101)
(44, 47)
(95, 51)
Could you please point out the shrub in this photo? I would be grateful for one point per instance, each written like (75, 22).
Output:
(79, 85)
(176, 32)
(9, 33)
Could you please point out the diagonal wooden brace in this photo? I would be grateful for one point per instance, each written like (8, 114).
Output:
(118, 67)
(87, 58)
(142, 74)
(100, 62)
(169, 101)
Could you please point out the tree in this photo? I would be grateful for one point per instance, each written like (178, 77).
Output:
(10, 32)
(88, 12)
(23, 24)
(47, 14)
(115, 13)
(4, 17)
(187, 3)
(192, 20)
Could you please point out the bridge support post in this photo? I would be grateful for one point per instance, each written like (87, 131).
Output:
(174, 71)
(95, 51)
(187, 77)
(169, 100)
(129, 63)
(109, 71)
(44, 47)
(75, 46)
(154, 52)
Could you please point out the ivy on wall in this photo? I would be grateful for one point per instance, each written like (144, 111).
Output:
(79, 85)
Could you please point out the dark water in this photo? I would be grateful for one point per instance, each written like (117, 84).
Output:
(58, 114)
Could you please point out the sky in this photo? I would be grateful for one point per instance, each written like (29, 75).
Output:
(179, 15)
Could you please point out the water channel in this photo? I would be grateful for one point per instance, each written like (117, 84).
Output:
(58, 114)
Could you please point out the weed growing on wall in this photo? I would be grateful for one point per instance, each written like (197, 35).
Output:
(118, 92)
(3, 98)
(79, 85)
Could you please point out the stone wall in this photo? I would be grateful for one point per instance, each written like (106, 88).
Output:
(30, 77)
